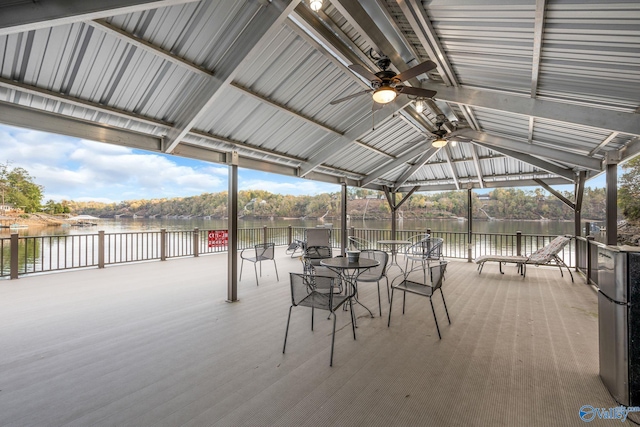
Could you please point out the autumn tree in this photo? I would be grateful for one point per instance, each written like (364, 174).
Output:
(629, 190)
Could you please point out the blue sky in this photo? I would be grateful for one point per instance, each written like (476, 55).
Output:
(81, 170)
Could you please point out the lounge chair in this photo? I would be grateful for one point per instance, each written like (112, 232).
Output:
(543, 256)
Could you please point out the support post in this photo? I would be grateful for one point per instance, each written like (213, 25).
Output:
(612, 198)
(590, 239)
(163, 244)
(469, 224)
(264, 234)
(343, 220)
(519, 243)
(578, 205)
(196, 242)
(394, 215)
(13, 263)
(290, 235)
(232, 228)
(101, 249)
(577, 212)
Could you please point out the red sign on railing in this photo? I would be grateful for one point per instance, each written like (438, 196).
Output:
(218, 238)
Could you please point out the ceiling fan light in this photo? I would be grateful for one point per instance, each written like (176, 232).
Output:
(454, 143)
(315, 5)
(439, 142)
(420, 104)
(384, 95)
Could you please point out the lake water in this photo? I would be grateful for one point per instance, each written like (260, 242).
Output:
(147, 224)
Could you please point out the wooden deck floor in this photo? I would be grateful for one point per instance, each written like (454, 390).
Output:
(155, 344)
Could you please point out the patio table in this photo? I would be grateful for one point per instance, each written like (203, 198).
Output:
(393, 245)
(349, 272)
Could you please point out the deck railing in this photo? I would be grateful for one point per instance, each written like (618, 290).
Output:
(39, 254)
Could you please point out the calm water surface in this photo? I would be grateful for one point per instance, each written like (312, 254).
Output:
(122, 225)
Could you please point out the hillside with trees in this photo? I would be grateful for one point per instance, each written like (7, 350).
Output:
(514, 204)
(20, 190)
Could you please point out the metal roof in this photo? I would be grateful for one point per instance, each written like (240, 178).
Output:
(530, 89)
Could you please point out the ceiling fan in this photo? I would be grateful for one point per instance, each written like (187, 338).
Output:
(386, 84)
(442, 136)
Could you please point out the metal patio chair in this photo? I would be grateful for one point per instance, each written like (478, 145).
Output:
(263, 252)
(311, 259)
(317, 237)
(295, 246)
(424, 251)
(410, 282)
(376, 274)
(317, 292)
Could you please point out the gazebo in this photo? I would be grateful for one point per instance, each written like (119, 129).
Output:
(527, 92)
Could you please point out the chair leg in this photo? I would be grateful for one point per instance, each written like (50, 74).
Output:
(353, 321)
(256, 271)
(404, 301)
(435, 318)
(379, 303)
(312, 312)
(333, 338)
(570, 274)
(388, 291)
(276, 267)
(241, 265)
(390, 305)
(445, 306)
(286, 332)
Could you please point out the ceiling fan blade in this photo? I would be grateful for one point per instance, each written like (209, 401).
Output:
(416, 91)
(346, 98)
(364, 73)
(377, 106)
(416, 71)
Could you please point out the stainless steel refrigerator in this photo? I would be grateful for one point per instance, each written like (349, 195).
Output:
(619, 322)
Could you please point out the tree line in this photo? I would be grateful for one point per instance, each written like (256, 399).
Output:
(508, 203)
(19, 189)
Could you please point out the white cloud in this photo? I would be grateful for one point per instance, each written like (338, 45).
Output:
(83, 170)
(75, 169)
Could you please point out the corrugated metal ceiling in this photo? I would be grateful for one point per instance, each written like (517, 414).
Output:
(142, 71)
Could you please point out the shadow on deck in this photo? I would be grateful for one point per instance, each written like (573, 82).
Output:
(155, 344)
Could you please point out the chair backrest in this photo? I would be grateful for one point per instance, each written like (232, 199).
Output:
(426, 249)
(318, 252)
(360, 244)
(265, 251)
(311, 291)
(437, 274)
(546, 254)
(377, 255)
(418, 237)
(318, 237)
